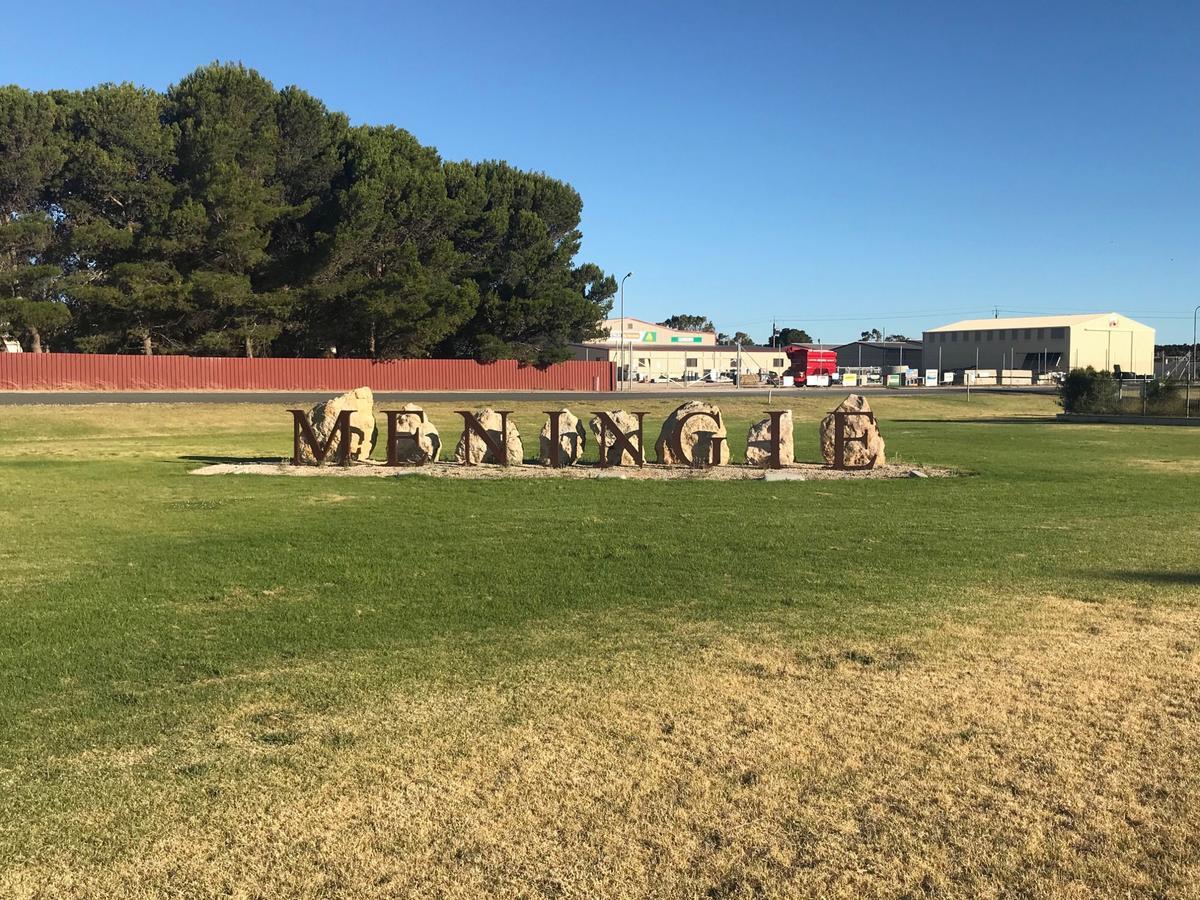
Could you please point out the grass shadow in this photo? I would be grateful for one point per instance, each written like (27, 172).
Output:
(215, 460)
(1189, 579)
(994, 420)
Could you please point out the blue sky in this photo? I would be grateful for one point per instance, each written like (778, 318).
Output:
(835, 166)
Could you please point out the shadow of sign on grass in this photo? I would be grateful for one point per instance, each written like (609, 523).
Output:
(1156, 576)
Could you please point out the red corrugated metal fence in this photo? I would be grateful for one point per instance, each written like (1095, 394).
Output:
(99, 372)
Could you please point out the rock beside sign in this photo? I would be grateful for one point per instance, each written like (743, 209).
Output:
(863, 446)
(571, 439)
(610, 450)
(758, 442)
(428, 445)
(688, 435)
(361, 403)
(472, 448)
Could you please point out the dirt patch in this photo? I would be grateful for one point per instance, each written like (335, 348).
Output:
(649, 472)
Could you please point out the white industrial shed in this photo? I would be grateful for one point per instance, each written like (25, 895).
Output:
(1043, 343)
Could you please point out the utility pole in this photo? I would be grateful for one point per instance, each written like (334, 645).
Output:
(622, 341)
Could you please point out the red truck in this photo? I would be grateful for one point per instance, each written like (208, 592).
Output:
(807, 362)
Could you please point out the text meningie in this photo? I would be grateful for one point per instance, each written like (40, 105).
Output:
(342, 431)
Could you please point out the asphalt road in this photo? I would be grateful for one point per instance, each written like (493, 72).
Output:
(75, 398)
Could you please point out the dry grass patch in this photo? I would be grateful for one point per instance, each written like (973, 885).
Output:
(1174, 466)
(1055, 757)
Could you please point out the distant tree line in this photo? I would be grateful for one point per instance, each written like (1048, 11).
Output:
(227, 217)
(779, 338)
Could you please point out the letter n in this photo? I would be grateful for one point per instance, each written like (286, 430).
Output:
(621, 442)
(472, 425)
(302, 430)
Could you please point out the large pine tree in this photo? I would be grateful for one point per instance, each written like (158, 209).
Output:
(228, 217)
(31, 155)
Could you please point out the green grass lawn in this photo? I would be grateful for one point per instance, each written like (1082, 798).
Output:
(359, 687)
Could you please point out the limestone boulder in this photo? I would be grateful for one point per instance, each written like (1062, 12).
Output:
(864, 443)
(688, 435)
(472, 449)
(363, 431)
(427, 446)
(571, 439)
(758, 442)
(610, 450)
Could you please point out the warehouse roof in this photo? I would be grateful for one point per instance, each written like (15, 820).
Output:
(883, 345)
(1020, 322)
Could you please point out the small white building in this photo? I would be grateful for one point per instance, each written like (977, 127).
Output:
(655, 351)
(648, 362)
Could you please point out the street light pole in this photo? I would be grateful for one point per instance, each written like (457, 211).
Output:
(1194, 312)
(621, 343)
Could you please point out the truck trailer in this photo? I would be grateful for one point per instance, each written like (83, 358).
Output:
(811, 366)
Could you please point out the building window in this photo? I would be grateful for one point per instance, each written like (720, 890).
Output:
(643, 362)
(989, 336)
(1057, 334)
(1041, 334)
(1028, 334)
(691, 362)
(777, 363)
(954, 337)
(733, 363)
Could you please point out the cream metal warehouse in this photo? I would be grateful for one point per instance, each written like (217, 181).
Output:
(1043, 344)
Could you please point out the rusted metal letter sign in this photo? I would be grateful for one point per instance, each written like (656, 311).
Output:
(302, 430)
(472, 425)
(776, 460)
(621, 442)
(714, 441)
(394, 435)
(841, 439)
(555, 445)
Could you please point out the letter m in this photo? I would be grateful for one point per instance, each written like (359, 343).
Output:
(302, 431)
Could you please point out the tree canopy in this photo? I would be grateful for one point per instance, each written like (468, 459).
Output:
(685, 322)
(738, 337)
(785, 336)
(227, 217)
(876, 335)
